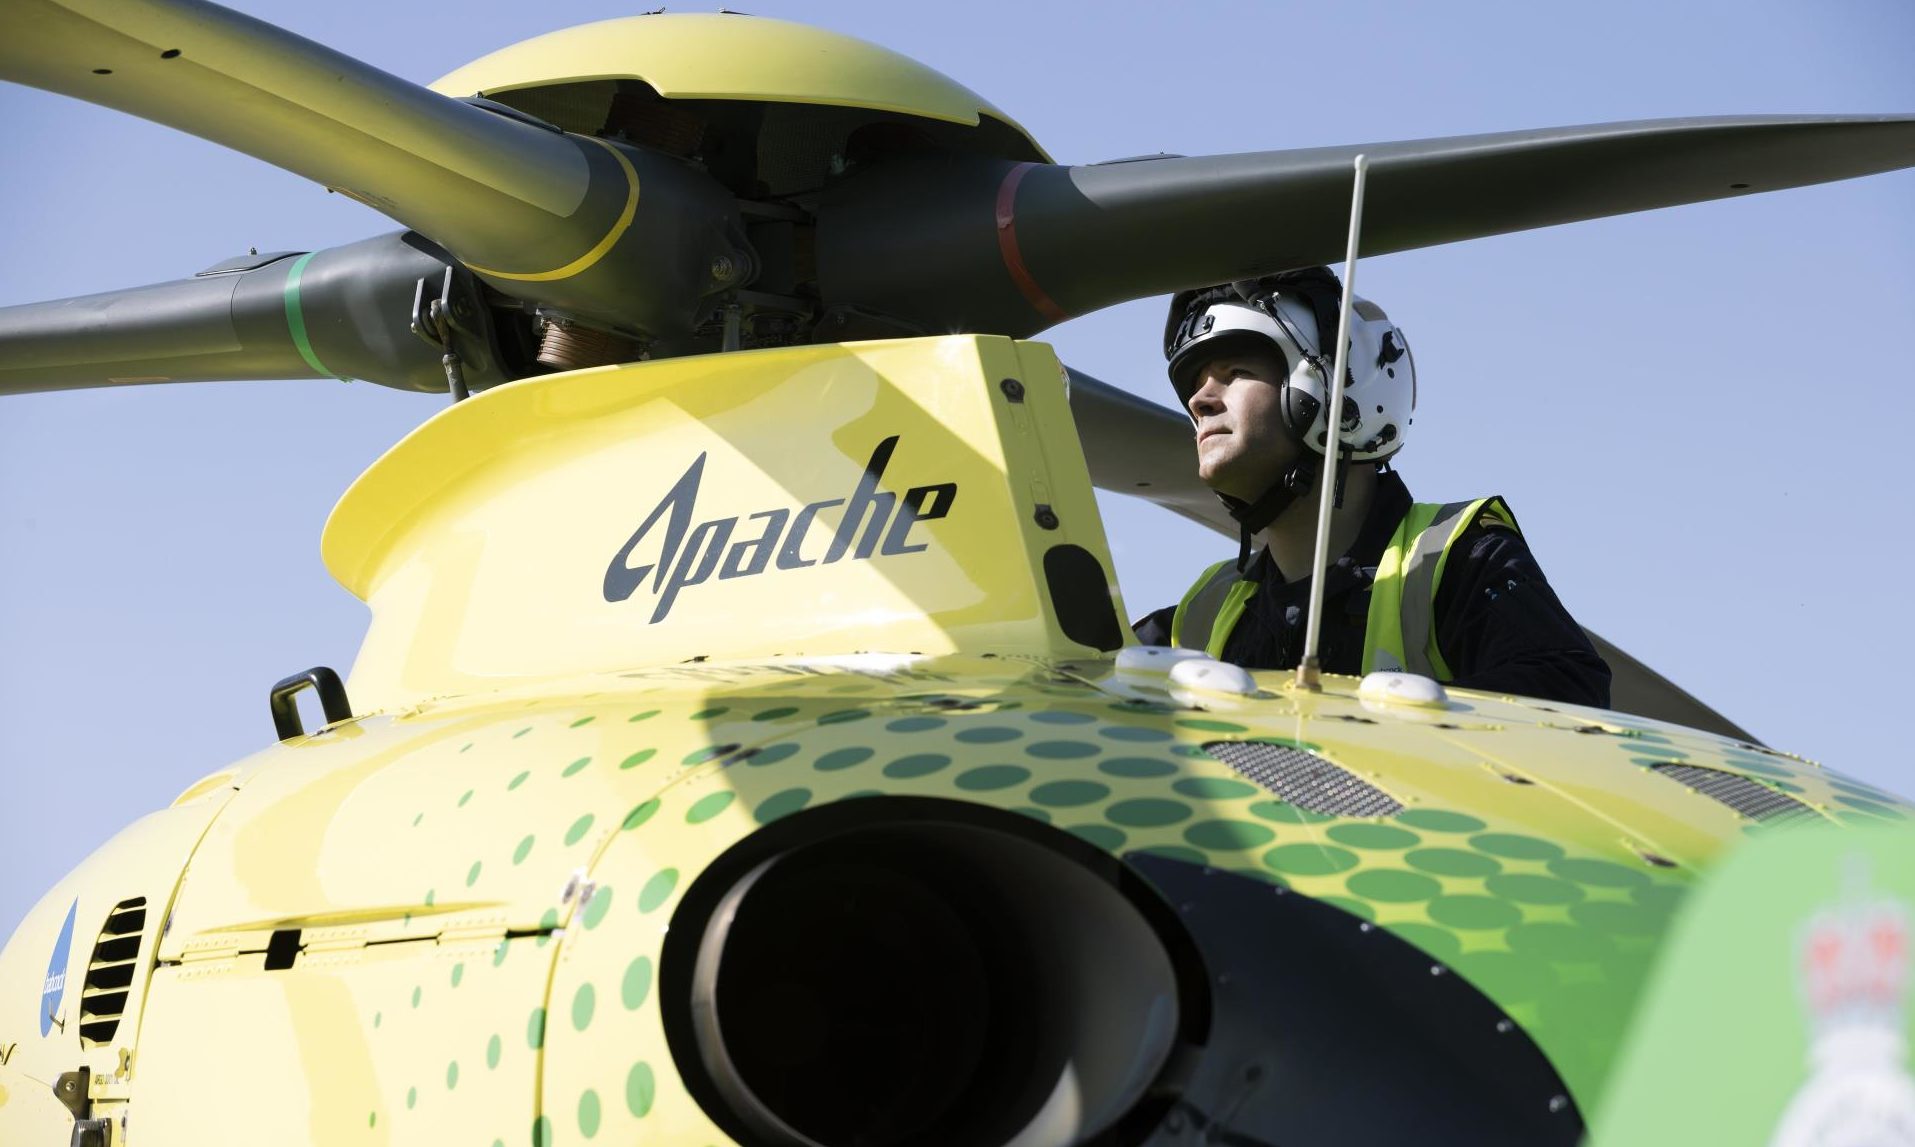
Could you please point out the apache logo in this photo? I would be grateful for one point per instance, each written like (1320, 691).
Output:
(686, 561)
(53, 988)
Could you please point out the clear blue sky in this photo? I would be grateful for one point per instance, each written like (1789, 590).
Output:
(1698, 413)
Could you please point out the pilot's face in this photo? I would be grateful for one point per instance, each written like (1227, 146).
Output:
(1242, 448)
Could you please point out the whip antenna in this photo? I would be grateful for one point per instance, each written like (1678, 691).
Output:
(1307, 669)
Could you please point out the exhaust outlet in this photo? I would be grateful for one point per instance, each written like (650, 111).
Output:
(897, 970)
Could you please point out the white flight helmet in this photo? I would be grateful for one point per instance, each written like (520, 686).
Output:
(1284, 314)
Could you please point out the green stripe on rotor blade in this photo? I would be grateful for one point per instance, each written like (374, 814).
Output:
(296, 319)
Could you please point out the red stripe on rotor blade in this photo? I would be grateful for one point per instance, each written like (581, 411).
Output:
(1042, 303)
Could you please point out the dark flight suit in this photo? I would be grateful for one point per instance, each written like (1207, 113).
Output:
(1496, 623)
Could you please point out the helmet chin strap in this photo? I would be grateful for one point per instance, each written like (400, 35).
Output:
(1254, 516)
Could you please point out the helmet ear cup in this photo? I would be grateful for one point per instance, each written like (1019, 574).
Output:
(1300, 404)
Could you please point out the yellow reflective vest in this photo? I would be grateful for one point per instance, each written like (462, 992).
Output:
(1400, 631)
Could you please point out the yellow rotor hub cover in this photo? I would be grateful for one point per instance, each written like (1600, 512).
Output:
(726, 56)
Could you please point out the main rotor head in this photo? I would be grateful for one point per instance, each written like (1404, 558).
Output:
(670, 185)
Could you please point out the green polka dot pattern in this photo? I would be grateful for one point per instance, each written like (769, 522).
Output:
(1206, 726)
(1451, 862)
(1285, 813)
(597, 907)
(1392, 886)
(771, 754)
(641, 1089)
(657, 890)
(1309, 860)
(1062, 750)
(843, 759)
(1228, 835)
(988, 735)
(1213, 788)
(992, 777)
(1473, 913)
(916, 765)
(781, 804)
(1137, 767)
(1102, 835)
(1437, 820)
(709, 806)
(1520, 890)
(1069, 794)
(1514, 847)
(1147, 813)
(636, 983)
(1372, 836)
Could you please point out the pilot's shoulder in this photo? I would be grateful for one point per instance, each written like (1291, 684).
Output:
(1494, 514)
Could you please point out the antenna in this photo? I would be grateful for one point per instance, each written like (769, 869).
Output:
(1307, 668)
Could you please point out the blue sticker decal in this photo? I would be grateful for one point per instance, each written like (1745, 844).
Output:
(55, 989)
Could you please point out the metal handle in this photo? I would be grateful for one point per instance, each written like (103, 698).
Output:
(332, 700)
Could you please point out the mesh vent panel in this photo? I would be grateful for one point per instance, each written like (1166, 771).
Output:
(1305, 779)
(1753, 800)
(577, 107)
(109, 974)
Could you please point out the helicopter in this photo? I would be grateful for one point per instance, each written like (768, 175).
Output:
(299, 954)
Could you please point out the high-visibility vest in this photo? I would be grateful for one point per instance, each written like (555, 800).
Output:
(1400, 632)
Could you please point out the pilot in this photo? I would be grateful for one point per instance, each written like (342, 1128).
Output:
(1450, 591)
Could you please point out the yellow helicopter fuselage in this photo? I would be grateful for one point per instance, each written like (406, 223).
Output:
(750, 747)
(625, 617)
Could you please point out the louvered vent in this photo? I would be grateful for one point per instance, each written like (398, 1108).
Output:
(1305, 779)
(1751, 799)
(109, 975)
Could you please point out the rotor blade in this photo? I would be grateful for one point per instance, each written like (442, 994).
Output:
(1012, 248)
(341, 313)
(1636, 688)
(1134, 446)
(534, 210)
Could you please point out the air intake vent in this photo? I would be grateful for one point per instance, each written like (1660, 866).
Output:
(109, 976)
(1305, 779)
(1751, 799)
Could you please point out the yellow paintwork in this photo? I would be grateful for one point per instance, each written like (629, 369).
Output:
(394, 1040)
(481, 863)
(144, 860)
(409, 845)
(727, 56)
(482, 540)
